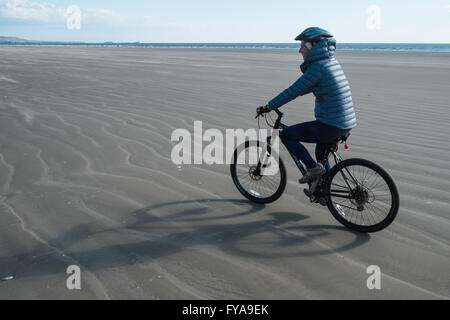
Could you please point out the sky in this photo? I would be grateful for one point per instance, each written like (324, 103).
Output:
(169, 21)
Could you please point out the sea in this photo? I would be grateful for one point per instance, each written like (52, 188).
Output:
(406, 47)
(444, 47)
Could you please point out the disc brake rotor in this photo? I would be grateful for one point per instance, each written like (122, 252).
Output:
(360, 196)
(252, 174)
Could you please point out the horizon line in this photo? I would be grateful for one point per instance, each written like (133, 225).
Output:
(195, 42)
(206, 42)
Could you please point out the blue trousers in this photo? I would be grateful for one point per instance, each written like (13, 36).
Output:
(310, 132)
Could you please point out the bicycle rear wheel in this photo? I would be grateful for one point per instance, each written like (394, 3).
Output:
(361, 195)
(249, 177)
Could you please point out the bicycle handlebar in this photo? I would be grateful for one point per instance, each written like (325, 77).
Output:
(278, 112)
(277, 124)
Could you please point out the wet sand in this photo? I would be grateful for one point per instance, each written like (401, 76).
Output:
(86, 178)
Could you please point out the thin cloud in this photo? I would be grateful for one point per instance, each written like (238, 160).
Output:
(102, 15)
(447, 7)
(50, 12)
(34, 11)
(150, 21)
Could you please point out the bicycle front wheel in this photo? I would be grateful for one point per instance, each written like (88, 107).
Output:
(361, 195)
(251, 175)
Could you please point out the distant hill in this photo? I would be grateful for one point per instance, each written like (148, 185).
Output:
(13, 40)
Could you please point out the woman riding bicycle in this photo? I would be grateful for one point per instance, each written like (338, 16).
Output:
(359, 193)
(334, 112)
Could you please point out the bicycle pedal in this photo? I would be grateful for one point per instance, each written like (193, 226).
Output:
(314, 185)
(322, 201)
(315, 199)
(307, 193)
(311, 198)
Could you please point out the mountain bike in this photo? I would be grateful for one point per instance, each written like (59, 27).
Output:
(360, 194)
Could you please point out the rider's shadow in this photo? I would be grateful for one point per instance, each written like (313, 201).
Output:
(278, 234)
(279, 229)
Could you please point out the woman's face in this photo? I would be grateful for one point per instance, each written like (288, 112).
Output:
(304, 50)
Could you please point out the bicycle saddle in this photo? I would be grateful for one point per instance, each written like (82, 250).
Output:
(343, 138)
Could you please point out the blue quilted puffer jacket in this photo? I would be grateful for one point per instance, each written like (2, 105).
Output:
(323, 76)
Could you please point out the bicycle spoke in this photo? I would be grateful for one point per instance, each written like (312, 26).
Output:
(343, 205)
(337, 185)
(352, 210)
(375, 185)
(262, 186)
(369, 209)
(378, 208)
(375, 221)
(383, 200)
(267, 184)
(368, 178)
(369, 192)
(381, 214)
(271, 183)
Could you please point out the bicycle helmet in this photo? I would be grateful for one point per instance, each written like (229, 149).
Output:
(313, 35)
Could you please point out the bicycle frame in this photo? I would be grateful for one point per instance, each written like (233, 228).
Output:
(330, 151)
(348, 180)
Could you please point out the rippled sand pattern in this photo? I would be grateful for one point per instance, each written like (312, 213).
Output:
(86, 178)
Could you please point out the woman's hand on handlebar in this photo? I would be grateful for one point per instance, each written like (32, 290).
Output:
(263, 109)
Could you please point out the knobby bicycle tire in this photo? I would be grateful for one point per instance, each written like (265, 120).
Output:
(278, 193)
(395, 198)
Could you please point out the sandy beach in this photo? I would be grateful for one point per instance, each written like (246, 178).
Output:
(86, 177)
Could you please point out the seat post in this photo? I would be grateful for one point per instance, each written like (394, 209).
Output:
(333, 147)
(330, 148)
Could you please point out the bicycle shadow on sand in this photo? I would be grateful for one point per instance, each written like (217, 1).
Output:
(282, 226)
(151, 234)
